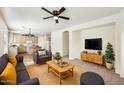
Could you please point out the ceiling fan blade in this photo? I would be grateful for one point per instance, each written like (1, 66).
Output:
(46, 10)
(48, 17)
(61, 10)
(57, 21)
(67, 18)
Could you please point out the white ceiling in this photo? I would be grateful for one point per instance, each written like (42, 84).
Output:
(19, 19)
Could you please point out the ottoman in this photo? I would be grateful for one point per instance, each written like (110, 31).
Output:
(91, 78)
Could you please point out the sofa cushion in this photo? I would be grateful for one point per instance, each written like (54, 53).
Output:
(8, 76)
(22, 76)
(33, 81)
(3, 62)
(12, 60)
(20, 66)
(44, 56)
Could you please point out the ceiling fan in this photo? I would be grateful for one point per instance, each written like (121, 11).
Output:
(29, 35)
(56, 14)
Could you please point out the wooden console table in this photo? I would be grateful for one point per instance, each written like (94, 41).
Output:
(92, 57)
(61, 72)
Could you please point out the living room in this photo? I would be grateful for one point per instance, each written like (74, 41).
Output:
(66, 38)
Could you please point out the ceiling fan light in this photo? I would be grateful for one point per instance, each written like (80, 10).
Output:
(55, 18)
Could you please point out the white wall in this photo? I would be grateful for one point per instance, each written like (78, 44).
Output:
(122, 43)
(76, 44)
(1, 43)
(56, 42)
(107, 33)
(6, 40)
(4, 37)
(65, 43)
(118, 46)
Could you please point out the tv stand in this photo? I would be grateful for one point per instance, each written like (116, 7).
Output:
(92, 57)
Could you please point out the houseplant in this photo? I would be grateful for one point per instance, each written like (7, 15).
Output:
(109, 56)
(84, 51)
(57, 57)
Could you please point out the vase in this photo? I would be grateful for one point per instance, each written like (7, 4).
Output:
(109, 65)
(56, 61)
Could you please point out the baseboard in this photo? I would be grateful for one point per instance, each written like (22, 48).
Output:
(117, 72)
(122, 76)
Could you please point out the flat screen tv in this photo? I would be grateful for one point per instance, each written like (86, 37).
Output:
(94, 44)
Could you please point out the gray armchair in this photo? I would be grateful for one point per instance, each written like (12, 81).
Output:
(39, 59)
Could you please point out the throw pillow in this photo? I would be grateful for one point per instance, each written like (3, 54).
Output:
(42, 53)
(12, 60)
(8, 76)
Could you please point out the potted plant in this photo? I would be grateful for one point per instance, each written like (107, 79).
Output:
(57, 57)
(84, 51)
(109, 56)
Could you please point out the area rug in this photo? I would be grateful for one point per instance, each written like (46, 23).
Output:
(45, 78)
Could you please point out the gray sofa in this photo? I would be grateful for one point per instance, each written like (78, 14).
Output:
(23, 77)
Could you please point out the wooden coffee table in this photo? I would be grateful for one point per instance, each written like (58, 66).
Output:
(61, 72)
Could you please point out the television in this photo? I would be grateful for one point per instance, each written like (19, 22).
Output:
(94, 44)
